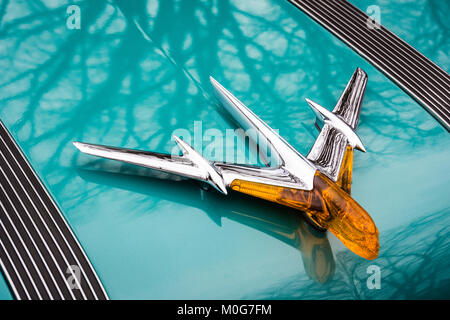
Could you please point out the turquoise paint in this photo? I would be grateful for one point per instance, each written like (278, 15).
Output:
(137, 71)
(5, 293)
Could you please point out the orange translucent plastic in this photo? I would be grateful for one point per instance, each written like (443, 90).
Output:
(344, 179)
(328, 205)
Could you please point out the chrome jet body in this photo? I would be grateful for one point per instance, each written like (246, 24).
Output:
(292, 171)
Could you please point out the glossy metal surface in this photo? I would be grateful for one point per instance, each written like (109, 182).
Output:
(293, 164)
(423, 80)
(338, 127)
(293, 171)
(153, 238)
(38, 250)
(329, 118)
(190, 165)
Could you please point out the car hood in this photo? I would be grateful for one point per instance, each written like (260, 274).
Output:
(138, 71)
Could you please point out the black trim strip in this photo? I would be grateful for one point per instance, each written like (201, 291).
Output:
(36, 244)
(414, 73)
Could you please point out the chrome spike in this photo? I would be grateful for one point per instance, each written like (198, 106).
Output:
(211, 175)
(289, 158)
(337, 123)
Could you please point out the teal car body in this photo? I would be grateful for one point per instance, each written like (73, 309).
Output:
(138, 71)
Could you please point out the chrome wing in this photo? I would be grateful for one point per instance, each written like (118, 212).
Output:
(190, 165)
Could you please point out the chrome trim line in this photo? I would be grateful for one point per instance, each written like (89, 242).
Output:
(67, 228)
(22, 242)
(408, 68)
(398, 44)
(24, 209)
(60, 250)
(13, 284)
(430, 87)
(49, 245)
(24, 266)
(30, 236)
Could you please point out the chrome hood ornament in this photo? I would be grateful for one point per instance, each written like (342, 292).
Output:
(318, 184)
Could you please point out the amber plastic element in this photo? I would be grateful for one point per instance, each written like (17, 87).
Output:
(327, 205)
(344, 179)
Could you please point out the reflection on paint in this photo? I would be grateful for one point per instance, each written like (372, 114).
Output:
(105, 83)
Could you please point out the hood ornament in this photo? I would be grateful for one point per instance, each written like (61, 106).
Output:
(318, 184)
